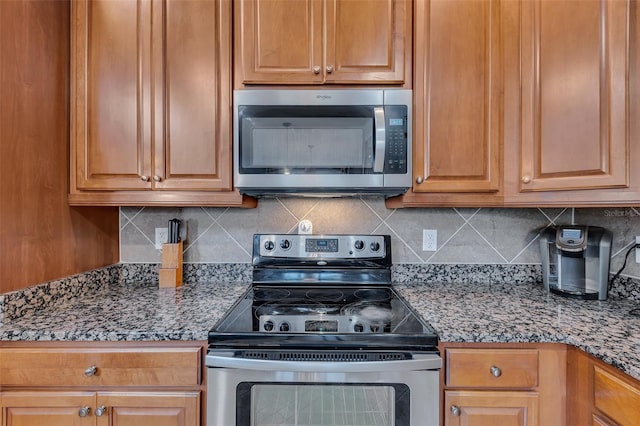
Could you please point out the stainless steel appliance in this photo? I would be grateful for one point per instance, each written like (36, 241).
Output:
(349, 141)
(322, 338)
(576, 260)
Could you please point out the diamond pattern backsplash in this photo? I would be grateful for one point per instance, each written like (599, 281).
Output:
(464, 235)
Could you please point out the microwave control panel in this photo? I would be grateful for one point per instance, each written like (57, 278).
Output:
(396, 139)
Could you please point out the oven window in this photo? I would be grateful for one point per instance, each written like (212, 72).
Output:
(312, 404)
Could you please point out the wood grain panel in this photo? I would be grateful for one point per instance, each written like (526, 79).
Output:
(193, 140)
(46, 408)
(575, 94)
(367, 40)
(114, 367)
(150, 408)
(111, 94)
(41, 238)
(616, 398)
(458, 97)
(279, 41)
(486, 408)
(472, 368)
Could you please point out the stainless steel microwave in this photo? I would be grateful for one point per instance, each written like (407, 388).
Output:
(322, 142)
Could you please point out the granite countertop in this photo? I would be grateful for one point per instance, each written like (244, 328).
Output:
(458, 312)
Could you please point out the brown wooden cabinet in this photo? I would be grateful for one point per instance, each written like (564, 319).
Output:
(600, 394)
(503, 384)
(458, 96)
(551, 118)
(101, 384)
(323, 41)
(150, 103)
(62, 408)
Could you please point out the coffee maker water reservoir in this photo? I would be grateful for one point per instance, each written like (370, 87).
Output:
(576, 260)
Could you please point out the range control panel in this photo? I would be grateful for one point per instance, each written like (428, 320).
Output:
(325, 246)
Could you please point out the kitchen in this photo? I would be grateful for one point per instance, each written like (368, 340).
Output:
(45, 236)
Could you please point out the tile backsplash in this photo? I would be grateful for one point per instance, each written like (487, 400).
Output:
(464, 235)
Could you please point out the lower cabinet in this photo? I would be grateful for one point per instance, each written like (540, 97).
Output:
(599, 394)
(504, 384)
(61, 408)
(512, 408)
(102, 384)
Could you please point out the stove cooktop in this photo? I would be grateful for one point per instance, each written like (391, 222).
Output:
(307, 316)
(328, 291)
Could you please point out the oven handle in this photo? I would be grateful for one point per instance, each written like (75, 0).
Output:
(381, 139)
(419, 362)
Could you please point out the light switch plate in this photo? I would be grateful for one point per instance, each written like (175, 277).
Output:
(637, 249)
(162, 236)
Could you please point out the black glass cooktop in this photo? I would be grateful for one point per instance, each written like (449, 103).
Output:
(328, 316)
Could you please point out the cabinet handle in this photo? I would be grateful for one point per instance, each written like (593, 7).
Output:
(316, 69)
(329, 69)
(90, 371)
(84, 411)
(526, 179)
(144, 178)
(419, 180)
(100, 411)
(496, 371)
(455, 410)
(157, 178)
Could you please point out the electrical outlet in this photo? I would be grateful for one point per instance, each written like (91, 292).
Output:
(429, 239)
(162, 236)
(637, 249)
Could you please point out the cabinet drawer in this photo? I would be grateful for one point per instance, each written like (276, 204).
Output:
(617, 399)
(96, 367)
(492, 368)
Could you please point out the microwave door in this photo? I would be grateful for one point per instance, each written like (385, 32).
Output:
(381, 138)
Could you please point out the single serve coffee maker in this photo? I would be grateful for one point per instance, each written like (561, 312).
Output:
(576, 260)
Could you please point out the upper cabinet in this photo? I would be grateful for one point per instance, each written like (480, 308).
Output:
(150, 103)
(323, 42)
(458, 96)
(575, 88)
(531, 103)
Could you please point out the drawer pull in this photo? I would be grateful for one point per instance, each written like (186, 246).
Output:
(84, 411)
(100, 411)
(495, 371)
(91, 371)
(455, 410)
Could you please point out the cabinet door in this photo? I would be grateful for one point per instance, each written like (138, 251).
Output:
(47, 408)
(479, 408)
(458, 99)
(192, 95)
(111, 94)
(279, 41)
(575, 79)
(149, 409)
(366, 41)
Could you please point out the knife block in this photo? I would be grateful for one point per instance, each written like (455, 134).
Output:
(171, 268)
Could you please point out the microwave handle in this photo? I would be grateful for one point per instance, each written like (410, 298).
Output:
(381, 139)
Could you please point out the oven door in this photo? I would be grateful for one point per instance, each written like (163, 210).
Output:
(251, 392)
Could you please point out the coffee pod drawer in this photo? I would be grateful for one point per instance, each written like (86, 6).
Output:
(168, 366)
(491, 368)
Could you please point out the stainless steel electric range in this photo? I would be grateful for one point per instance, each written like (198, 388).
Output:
(322, 338)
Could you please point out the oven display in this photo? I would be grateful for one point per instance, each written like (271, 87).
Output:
(321, 245)
(321, 326)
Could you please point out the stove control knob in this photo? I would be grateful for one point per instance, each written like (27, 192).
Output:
(285, 326)
(285, 244)
(359, 245)
(375, 246)
(268, 245)
(358, 328)
(268, 325)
